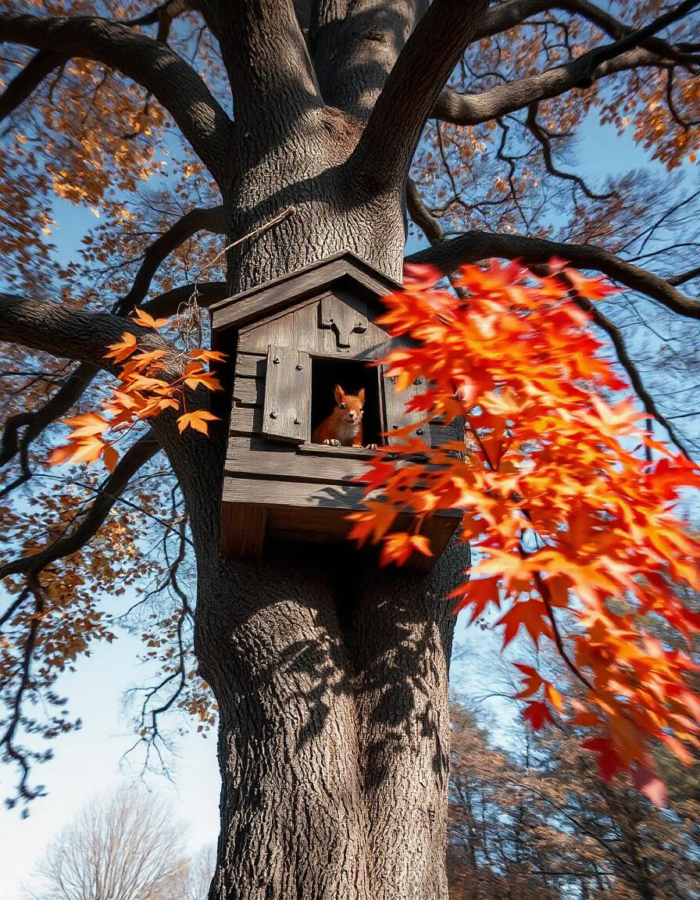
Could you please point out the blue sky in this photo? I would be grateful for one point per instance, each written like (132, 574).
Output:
(90, 761)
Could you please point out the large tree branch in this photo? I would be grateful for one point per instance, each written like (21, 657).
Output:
(479, 245)
(629, 52)
(267, 60)
(150, 63)
(355, 46)
(197, 219)
(386, 147)
(72, 334)
(472, 109)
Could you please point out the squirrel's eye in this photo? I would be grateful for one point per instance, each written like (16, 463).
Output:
(343, 406)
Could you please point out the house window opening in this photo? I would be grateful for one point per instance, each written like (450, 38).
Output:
(351, 375)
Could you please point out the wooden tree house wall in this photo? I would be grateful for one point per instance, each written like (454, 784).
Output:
(290, 341)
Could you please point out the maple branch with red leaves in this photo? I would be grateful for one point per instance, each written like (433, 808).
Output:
(541, 442)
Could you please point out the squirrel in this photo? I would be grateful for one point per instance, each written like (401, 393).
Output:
(343, 428)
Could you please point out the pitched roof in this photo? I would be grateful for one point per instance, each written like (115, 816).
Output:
(274, 295)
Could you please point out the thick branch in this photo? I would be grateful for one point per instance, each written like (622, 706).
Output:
(72, 334)
(267, 60)
(501, 18)
(478, 245)
(135, 457)
(150, 63)
(387, 145)
(28, 80)
(195, 220)
(471, 109)
(630, 51)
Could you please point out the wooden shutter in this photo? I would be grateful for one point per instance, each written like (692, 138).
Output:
(395, 407)
(287, 407)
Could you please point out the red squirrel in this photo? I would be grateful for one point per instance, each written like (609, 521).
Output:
(343, 428)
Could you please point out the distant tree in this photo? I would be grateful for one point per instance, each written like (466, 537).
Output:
(127, 846)
(539, 822)
(202, 867)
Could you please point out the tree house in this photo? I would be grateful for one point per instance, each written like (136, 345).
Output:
(290, 341)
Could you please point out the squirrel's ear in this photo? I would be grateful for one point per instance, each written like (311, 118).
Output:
(339, 394)
(361, 396)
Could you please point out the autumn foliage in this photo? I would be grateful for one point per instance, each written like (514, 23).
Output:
(140, 395)
(569, 501)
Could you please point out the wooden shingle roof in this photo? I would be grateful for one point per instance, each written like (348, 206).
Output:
(233, 312)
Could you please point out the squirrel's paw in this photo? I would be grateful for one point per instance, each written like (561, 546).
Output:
(370, 447)
(333, 442)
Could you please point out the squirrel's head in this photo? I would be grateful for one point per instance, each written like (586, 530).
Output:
(349, 407)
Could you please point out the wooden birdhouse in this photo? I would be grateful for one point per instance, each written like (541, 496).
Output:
(291, 341)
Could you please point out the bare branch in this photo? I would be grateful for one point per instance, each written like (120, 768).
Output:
(29, 79)
(479, 245)
(386, 147)
(507, 15)
(38, 420)
(541, 136)
(685, 276)
(630, 368)
(149, 62)
(197, 219)
(421, 215)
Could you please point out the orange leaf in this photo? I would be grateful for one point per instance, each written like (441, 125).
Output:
(120, 351)
(111, 457)
(147, 320)
(196, 420)
(60, 454)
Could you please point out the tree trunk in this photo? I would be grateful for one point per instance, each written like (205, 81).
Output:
(330, 676)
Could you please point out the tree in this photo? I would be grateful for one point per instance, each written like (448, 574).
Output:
(127, 846)
(333, 728)
(538, 821)
(202, 868)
